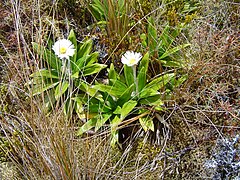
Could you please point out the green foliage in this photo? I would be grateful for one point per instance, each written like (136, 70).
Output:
(162, 48)
(63, 80)
(112, 13)
(120, 98)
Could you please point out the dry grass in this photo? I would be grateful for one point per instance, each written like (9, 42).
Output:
(205, 108)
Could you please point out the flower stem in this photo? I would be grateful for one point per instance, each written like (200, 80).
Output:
(134, 67)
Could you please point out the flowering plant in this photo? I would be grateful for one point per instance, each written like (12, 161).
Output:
(125, 95)
(67, 68)
(131, 58)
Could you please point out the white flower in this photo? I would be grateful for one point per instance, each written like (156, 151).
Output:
(63, 48)
(131, 58)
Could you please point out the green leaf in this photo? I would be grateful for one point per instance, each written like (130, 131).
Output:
(93, 68)
(85, 61)
(87, 126)
(61, 89)
(109, 89)
(78, 106)
(85, 49)
(75, 75)
(108, 100)
(150, 99)
(102, 118)
(112, 73)
(173, 50)
(38, 89)
(127, 108)
(118, 84)
(126, 95)
(115, 122)
(128, 73)
(72, 38)
(144, 62)
(159, 82)
(52, 74)
(147, 123)
(97, 10)
(48, 56)
(147, 92)
(115, 137)
(152, 35)
(142, 73)
(117, 110)
(143, 38)
(87, 89)
(165, 39)
(92, 58)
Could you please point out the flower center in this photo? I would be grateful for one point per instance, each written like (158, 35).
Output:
(132, 61)
(63, 50)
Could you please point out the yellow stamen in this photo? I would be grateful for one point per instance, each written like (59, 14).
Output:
(132, 61)
(63, 50)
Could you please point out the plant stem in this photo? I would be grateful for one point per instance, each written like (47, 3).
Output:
(134, 67)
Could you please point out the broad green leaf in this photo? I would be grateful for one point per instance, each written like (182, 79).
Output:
(126, 95)
(84, 49)
(118, 84)
(173, 50)
(46, 73)
(79, 106)
(115, 137)
(38, 89)
(108, 89)
(147, 92)
(152, 35)
(87, 126)
(142, 73)
(144, 62)
(102, 118)
(108, 100)
(159, 82)
(165, 39)
(61, 89)
(151, 100)
(99, 107)
(115, 122)
(72, 38)
(88, 89)
(75, 75)
(114, 132)
(85, 61)
(92, 58)
(117, 110)
(47, 55)
(147, 123)
(112, 73)
(97, 10)
(128, 73)
(127, 108)
(143, 38)
(93, 68)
